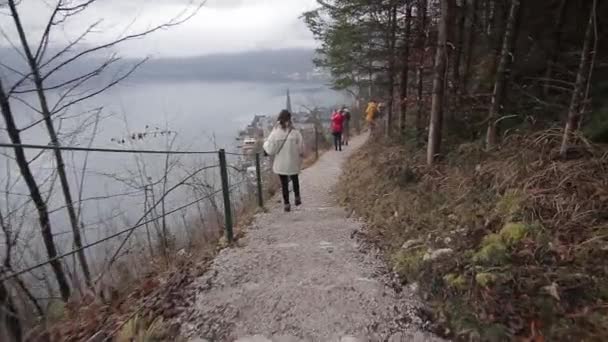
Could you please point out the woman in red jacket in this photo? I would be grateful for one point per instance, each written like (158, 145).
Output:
(337, 126)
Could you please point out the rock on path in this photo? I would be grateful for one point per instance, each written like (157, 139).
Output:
(300, 276)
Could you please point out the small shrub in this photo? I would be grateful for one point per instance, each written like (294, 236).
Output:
(408, 263)
(512, 233)
(455, 281)
(510, 204)
(485, 279)
(493, 251)
(56, 310)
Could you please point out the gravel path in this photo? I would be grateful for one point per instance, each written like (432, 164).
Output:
(301, 276)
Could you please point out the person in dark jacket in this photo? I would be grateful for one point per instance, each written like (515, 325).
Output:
(346, 128)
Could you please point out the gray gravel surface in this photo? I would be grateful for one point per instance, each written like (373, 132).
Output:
(303, 276)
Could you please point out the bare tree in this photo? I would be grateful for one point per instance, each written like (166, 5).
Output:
(392, 43)
(45, 110)
(498, 93)
(39, 80)
(9, 316)
(497, 16)
(555, 45)
(421, 44)
(458, 47)
(436, 117)
(405, 67)
(34, 192)
(579, 95)
(470, 27)
(12, 224)
(168, 165)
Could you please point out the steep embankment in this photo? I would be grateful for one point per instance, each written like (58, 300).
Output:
(503, 244)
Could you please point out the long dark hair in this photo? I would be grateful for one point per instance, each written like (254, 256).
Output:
(285, 119)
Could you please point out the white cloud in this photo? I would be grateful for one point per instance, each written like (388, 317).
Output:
(220, 26)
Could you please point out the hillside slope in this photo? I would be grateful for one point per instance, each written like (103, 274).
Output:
(505, 244)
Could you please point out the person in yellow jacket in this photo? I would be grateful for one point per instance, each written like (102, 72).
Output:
(371, 113)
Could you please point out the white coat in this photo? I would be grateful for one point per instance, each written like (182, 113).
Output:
(288, 159)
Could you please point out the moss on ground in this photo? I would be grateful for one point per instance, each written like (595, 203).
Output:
(493, 251)
(485, 279)
(455, 281)
(408, 263)
(513, 232)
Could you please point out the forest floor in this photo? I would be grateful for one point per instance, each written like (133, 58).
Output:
(303, 276)
(503, 245)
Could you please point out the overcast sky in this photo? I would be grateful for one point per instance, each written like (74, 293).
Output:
(220, 26)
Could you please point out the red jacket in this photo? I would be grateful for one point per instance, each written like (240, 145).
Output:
(337, 122)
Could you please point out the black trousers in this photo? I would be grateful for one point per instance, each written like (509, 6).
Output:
(285, 186)
(338, 141)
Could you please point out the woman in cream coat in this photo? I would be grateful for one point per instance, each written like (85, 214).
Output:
(286, 145)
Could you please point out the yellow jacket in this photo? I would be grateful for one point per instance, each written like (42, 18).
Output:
(371, 111)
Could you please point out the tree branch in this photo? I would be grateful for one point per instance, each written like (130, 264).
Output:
(175, 21)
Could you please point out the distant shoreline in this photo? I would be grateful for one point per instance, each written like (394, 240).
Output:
(137, 78)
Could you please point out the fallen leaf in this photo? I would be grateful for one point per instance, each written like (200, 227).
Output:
(535, 334)
(553, 290)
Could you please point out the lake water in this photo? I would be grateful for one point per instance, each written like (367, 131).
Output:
(203, 115)
(196, 110)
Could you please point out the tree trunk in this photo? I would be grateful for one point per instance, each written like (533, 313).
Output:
(165, 231)
(391, 70)
(498, 93)
(574, 112)
(405, 69)
(48, 121)
(436, 117)
(41, 207)
(555, 45)
(9, 316)
(470, 41)
(370, 72)
(421, 44)
(496, 34)
(458, 43)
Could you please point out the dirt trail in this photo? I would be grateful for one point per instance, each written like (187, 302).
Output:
(301, 276)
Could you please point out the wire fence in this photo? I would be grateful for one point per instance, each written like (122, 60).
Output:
(225, 190)
(255, 175)
(96, 149)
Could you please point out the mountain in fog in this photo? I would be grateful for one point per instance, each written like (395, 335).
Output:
(264, 65)
(269, 65)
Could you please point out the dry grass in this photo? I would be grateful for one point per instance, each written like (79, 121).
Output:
(142, 307)
(529, 233)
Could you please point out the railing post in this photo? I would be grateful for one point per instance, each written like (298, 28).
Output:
(226, 192)
(258, 173)
(316, 143)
